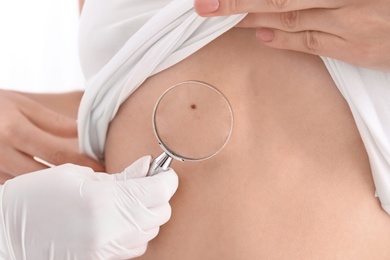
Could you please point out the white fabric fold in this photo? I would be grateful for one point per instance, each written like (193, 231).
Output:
(368, 95)
(171, 35)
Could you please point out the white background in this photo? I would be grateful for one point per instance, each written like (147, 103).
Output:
(38, 45)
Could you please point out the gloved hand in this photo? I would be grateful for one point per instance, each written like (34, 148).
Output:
(71, 212)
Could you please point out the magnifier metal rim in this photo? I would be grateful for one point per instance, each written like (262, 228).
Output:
(169, 151)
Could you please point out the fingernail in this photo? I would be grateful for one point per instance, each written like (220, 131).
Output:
(207, 6)
(265, 35)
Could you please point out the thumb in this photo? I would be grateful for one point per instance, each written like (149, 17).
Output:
(136, 170)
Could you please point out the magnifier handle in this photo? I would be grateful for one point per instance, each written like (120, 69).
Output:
(160, 164)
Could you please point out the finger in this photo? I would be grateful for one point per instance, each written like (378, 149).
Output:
(14, 163)
(138, 169)
(131, 252)
(152, 191)
(152, 218)
(312, 42)
(293, 21)
(49, 120)
(128, 241)
(228, 7)
(54, 150)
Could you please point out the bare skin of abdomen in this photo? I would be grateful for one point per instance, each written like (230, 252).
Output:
(294, 181)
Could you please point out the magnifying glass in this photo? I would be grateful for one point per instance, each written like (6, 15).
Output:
(193, 121)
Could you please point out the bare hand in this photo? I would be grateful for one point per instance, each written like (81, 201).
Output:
(28, 130)
(354, 31)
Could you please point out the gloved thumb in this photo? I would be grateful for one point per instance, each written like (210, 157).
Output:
(136, 170)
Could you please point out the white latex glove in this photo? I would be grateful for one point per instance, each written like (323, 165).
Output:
(71, 212)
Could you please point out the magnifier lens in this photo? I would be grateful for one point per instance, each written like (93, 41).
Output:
(193, 121)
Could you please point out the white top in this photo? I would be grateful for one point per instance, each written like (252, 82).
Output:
(368, 95)
(122, 43)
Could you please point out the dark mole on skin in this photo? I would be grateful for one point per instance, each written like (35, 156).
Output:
(193, 106)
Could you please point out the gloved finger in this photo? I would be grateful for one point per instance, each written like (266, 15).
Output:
(136, 170)
(151, 218)
(133, 252)
(14, 163)
(153, 191)
(70, 168)
(34, 141)
(127, 240)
